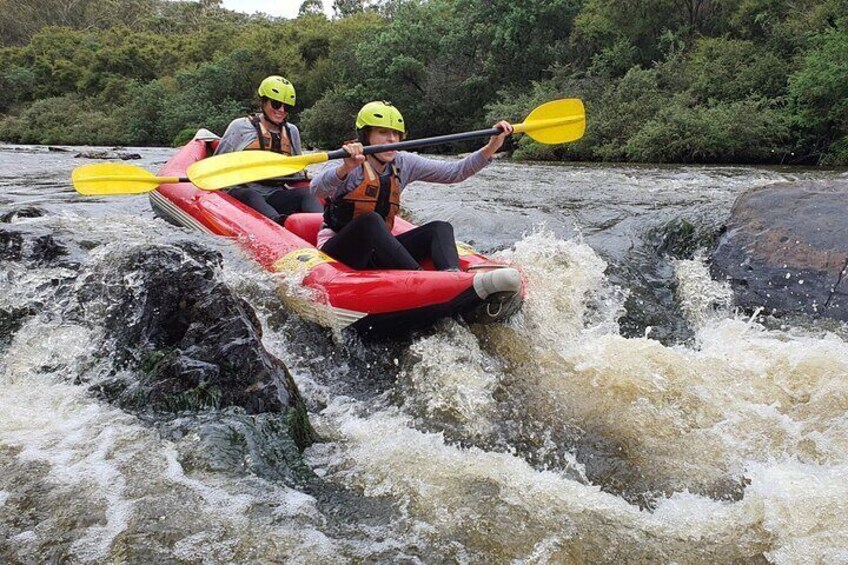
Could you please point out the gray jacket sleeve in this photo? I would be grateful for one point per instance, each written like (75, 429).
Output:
(295, 140)
(412, 168)
(240, 133)
(326, 184)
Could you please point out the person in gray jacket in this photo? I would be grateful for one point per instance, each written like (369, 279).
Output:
(270, 130)
(362, 197)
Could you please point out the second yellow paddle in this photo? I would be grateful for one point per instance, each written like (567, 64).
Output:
(107, 179)
(558, 121)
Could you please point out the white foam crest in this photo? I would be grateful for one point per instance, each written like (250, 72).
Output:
(111, 485)
(696, 418)
(567, 292)
(248, 279)
(499, 508)
(51, 422)
(114, 228)
(38, 347)
(701, 298)
(109, 472)
(451, 380)
(216, 499)
(290, 284)
(804, 508)
(20, 284)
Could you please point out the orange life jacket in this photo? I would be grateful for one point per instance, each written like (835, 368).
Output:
(371, 195)
(270, 141)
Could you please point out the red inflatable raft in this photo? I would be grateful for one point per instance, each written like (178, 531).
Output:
(387, 302)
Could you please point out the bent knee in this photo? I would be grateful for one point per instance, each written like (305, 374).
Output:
(441, 226)
(371, 218)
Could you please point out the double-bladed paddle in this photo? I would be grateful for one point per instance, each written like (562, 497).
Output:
(100, 179)
(558, 121)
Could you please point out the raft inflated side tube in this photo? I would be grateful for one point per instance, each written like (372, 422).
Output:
(499, 280)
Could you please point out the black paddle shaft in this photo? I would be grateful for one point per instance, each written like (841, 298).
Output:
(418, 143)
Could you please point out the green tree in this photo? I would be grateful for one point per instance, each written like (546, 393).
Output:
(735, 132)
(819, 91)
(330, 121)
(345, 8)
(733, 69)
(310, 7)
(518, 41)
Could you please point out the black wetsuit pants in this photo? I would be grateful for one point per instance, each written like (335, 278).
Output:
(276, 202)
(366, 243)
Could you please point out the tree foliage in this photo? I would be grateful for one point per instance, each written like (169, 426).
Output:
(662, 80)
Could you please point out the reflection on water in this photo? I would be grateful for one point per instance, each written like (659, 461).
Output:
(553, 439)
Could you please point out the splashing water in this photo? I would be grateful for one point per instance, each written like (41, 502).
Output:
(551, 439)
(568, 296)
(451, 381)
(701, 298)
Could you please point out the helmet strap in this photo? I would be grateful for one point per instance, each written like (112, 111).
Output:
(270, 121)
(362, 137)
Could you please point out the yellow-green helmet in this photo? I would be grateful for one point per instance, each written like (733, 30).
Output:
(380, 114)
(277, 88)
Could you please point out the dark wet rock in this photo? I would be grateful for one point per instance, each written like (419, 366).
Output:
(682, 238)
(650, 308)
(197, 346)
(54, 149)
(9, 216)
(32, 245)
(785, 249)
(11, 320)
(24, 248)
(649, 275)
(37, 245)
(180, 349)
(123, 155)
(233, 442)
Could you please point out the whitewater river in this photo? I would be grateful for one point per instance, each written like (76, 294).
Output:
(627, 414)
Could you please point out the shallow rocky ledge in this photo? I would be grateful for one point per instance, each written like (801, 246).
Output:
(123, 155)
(177, 339)
(785, 249)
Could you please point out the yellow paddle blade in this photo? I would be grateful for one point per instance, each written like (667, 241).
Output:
(98, 179)
(558, 121)
(230, 169)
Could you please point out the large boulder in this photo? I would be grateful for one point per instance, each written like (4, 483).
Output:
(177, 340)
(170, 317)
(785, 248)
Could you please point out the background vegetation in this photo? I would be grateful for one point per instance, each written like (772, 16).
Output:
(757, 81)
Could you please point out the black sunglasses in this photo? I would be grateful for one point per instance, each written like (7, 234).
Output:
(276, 104)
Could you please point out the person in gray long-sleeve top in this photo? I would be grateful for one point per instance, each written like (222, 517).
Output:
(363, 196)
(270, 130)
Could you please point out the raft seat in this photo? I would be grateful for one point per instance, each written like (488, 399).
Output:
(306, 225)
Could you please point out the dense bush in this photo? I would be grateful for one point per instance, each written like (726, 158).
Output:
(65, 120)
(743, 131)
(708, 81)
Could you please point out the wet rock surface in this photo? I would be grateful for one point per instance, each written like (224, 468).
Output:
(27, 247)
(178, 339)
(31, 245)
(122, 155)
(785, 249)
(196, 344)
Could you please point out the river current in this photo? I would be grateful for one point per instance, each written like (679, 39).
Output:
(628, 413)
